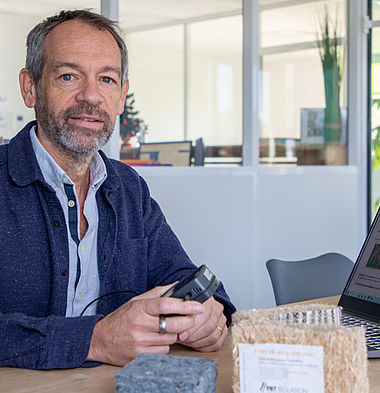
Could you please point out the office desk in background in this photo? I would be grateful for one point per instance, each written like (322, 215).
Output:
(100, 379)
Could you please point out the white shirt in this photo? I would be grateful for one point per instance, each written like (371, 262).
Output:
(86, 251)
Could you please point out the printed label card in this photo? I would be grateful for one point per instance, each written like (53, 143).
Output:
(281, 368)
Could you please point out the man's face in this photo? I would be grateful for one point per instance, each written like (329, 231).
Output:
(80, 90)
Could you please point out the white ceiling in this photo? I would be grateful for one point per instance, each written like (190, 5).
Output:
(298, 26)
(136, 13)
(300, 23)
(150, 12)
(43, 8)
(133, 13)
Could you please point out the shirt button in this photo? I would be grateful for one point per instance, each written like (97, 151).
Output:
(64, 272)
(79, 298)
(65, 180)
(57, 223)
(81, 247)
(71, 203)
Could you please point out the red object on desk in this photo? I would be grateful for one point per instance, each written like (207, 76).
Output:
(145, 163)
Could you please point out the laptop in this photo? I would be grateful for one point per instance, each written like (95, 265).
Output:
(360, 300)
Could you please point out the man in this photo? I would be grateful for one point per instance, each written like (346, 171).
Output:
(85, 252)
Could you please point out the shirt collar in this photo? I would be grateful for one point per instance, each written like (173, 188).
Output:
(54, 174)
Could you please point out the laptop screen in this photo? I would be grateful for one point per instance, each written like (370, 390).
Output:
(362, 292)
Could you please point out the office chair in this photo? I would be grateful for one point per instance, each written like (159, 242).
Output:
(295, 281)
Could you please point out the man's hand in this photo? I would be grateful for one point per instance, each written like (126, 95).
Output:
(209, 330)
(134, 327)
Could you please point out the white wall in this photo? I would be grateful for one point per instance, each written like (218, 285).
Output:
(211, 211)
(291, 81)
(13, 32)
(234, 219)
(206, 118)
(157, 79)
(302, 213)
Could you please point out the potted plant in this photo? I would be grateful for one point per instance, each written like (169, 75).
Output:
(132, 128)
(331, 58)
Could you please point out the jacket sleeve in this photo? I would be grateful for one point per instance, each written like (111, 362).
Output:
(167, 260)
(45, 343)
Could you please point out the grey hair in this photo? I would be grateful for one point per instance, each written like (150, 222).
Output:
(35, 55)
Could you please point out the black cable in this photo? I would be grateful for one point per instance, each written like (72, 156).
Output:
(102, 296)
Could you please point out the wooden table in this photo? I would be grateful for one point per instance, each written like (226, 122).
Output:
(100, 379)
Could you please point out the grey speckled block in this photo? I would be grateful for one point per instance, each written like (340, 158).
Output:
(150, 373)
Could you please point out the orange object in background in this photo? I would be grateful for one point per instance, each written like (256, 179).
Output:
(131, 162)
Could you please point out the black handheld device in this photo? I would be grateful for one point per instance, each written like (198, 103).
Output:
(199, 285)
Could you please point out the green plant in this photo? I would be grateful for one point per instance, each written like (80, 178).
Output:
(375, 151)
(330, 52)
(376, 139)
(130, 124)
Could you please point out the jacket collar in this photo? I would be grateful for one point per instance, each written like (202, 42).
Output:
(22, 162)
(112, 181)
(23, 165)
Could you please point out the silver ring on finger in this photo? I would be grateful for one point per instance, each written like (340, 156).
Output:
(162, 324)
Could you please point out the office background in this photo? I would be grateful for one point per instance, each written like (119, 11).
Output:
(235, 73)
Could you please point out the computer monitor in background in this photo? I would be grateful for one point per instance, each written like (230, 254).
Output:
(174, 153)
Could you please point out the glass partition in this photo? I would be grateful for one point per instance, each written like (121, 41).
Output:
(375, 5)
(156, 82)
(303, 94)
(303, 117)
(215, 88)
(186, 78)
(186, 84)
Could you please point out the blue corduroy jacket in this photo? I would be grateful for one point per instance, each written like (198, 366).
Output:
(137, 251)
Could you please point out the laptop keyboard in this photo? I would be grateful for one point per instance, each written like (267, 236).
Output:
(372, 332)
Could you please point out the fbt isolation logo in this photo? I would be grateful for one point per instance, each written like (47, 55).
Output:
(281, 389)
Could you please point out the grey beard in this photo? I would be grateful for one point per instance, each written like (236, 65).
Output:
(65, 137)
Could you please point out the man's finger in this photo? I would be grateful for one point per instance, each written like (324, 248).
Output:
(155, 292)
(210, 327)
(206, 323)
(179, 324)
(157, 339)
(173, 325)
(212, 342)
(168, 305)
